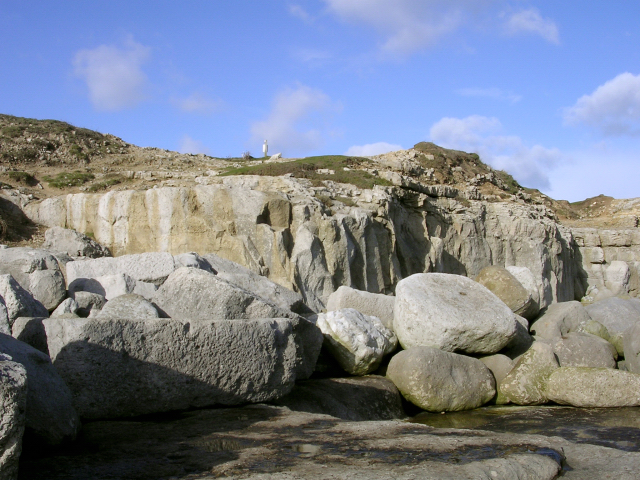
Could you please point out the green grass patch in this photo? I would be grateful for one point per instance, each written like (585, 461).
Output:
(22, 177)
(309, 168)
(69, 179)
(106, 183)
(512, 185)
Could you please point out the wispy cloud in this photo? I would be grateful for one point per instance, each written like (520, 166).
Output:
(311, 55)
(298, 120)
(191, 145)
(531, 22)
(198, 103)
(372, 149)
(613, 108)
(114, 75)
(298, 11)
(494, 93)
(530, 165)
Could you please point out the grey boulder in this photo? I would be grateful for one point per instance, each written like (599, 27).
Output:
(128, 306)
(74, 244)
(68, 306)
(5, 325)
(13, 403)
(584, 350)
(631, 343)
(615, 314)
(37, 271)
(452, 313)
(594, 387)
(559, 319)
(88, 302)
(30, 330)
(125, 367)
(198, 294)
(18, 301)
(51, 417)
(500, 366)
(439, 381)
(109, 286)
(373, 304)
(508, 289)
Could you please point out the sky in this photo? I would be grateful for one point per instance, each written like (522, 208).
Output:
(547, 90)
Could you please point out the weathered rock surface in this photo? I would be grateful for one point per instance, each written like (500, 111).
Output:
(259, 285)
(109, 286)
(508, 289)
(68, 305)
(500, 366)
(593, 387)
(30, 330)
(357, 341)
(584, 350)
(13, 403)
(355, 398)
(521, 341)
(631, 347)
(373, 304)
(19, 302)
(123, 367)
(559, 319)
(452, 313)
(528, 281)
(614, 313)
(128, 306)
(87, 302)
(526, 383)
(198, 294)
(51, 417)
(277, 226)
(262, 442)
(37, 271)
(439, 381)
(5, 326)
(74, 244)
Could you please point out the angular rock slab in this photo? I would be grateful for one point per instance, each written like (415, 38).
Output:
(594, 387)
(508, 289)
(357, 341)
(75, 244)
(128, 306)
(18, 301)
(525, 384)
(13, 404)
(197, 294)
(439, 381)
(373, 304)
(51, 418)
(452, 313)
(119, 368)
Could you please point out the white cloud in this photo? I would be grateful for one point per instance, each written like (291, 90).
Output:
(310, 55)
(483, 135)
(372, 149)
(613, 108)
(297, 121)
(197, 103)
(299, 12)
(190, 145)
(530, 21)
(114, 75)
(408, 25)
(494, 93)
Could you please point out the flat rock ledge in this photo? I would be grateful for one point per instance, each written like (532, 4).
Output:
(127, 367)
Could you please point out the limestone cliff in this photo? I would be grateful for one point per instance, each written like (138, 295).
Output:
(314, 239)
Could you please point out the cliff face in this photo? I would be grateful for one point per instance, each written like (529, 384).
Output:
(314, 239)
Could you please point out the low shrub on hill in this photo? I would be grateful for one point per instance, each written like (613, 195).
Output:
(69, 179)
(22, 177)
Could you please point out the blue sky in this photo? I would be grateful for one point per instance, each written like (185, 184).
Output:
(547, 90)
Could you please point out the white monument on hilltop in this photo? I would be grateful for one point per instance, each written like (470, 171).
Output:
(265, 148)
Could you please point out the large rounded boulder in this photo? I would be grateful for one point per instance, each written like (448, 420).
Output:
(452, 313)
(508, 289)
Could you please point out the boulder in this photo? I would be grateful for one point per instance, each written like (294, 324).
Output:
(257, 284)
(68, 305)
(631, 347)
(197, 294)
(87, 302)
(525, 384)
(373, 304)
(508, 289)
(13, 403)
(192, 260)
(153, 267)
(109, 286)
(439, 381)
(452, 313)
(128, 306)
(614, 313)
(5, 326)
(500, 366)
(357, 341)
(559, 319)
(593, 387)
(74, 244)
(51, 418)
(522, 340)
(594, 328)
(30, 330)
(616, 277)
(123, 367)
(528, 281)
(585, 350)
(37, 271)
(18, 301)
(356, 398)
